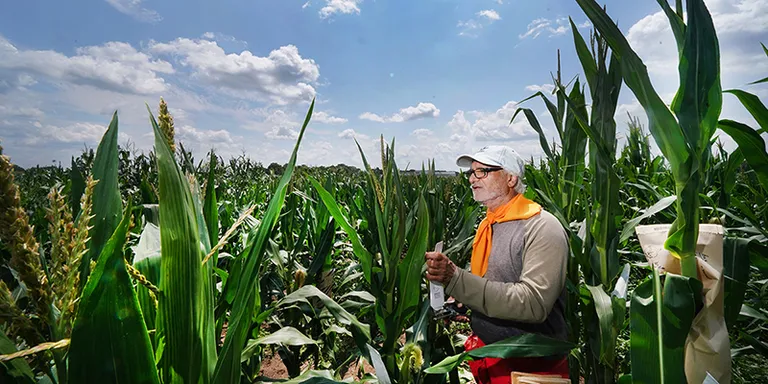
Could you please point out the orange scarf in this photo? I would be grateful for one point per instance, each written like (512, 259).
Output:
(519, 208)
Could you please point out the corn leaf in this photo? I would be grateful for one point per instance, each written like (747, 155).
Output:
(182, 317)
(284, 336)
(366, 260)
(16, 370)
(304, 293)
(534, 122)
(585, 57)
(247, 299)
(736, 273)
(604, 311)
(752, 146)
(629, 227)
(660, 317)
(211, 209)
(525, 345)
(110, 343)
(676, 22)
(765, 79)
(410, 269)
(107, 204)
(77, 188)
(755, 107)
(661, 122)
(552, 108)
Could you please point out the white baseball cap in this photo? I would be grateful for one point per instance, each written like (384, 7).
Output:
(495, 155)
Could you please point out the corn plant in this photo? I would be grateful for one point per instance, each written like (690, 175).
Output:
(392, 269)
(683, 132)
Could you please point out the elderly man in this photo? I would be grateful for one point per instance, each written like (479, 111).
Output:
(518, 268)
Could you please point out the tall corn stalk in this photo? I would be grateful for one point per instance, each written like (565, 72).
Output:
(603, 314)
(394, 273)
(682, 132)
(559, 184)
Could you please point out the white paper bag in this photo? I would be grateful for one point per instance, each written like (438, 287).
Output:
(708, 348)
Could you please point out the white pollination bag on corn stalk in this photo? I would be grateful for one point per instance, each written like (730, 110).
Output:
(707, 348)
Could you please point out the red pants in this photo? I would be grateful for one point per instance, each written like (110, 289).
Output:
(498, 371)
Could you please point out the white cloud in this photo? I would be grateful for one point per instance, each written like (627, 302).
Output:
(340, 6)
(323, 117)
(422, 133)
(282, 77)
(307, 4)
(134, 8)
(8, 111)
(740, 26)
(483, 18)
(491, 126)
(187, 133)
(73, 133)
(282, 133)
(114, 65)
(350, 133)
(544, 88)
(489, 14)
(420, 111)
(554, 27)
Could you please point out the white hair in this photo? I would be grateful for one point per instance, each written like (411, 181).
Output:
(520, 186)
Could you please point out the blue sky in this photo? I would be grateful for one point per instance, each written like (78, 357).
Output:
(442, 77)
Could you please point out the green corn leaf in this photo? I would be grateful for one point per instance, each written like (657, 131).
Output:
(340, 314)
(107, 205)
(16, 370)
(534, 122)
(553, 111)
(525, 345)
(662, 123)
(755, 107)
(699, 99)
(752, 313)
(765, 79)
(76, 189)
(110, 343)
(752, 146)
(736, 273)
(585, 57)
(574, 151)
(366, 260)
(247, 297)
(607, 335)
(659, 324)
(284, 336)
(660, 205)
(410, 269)
(210, 208)
(676, 22)
(183, 310)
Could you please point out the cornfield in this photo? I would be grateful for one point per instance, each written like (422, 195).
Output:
(161, 268)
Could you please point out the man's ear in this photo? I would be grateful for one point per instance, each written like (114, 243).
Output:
(513, 180)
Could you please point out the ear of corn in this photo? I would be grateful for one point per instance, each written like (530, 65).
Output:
(109, 338)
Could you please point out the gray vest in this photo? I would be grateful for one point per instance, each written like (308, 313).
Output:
(506, 265)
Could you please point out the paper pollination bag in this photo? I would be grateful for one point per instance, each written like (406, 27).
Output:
(707, 348)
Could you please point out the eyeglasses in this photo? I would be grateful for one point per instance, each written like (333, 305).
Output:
(480, 173)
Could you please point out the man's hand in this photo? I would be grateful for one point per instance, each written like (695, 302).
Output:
(440, 269)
